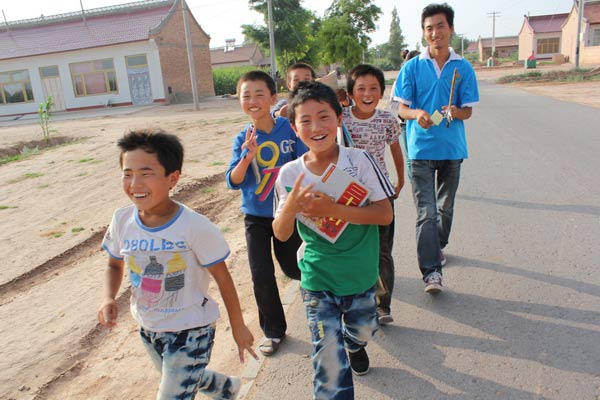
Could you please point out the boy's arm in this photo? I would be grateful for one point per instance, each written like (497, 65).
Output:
(108, 311)
(399, 164)
(241, 334)
(463, 113)
(421, 116)
(285, 219)
(249, 148)
(376, 213)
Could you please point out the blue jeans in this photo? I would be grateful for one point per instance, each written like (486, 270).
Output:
(337, 324)
(434, 185)
(182, 358)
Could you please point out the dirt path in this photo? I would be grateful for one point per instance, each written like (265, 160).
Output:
(54, 208)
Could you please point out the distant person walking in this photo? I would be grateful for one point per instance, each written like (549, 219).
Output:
(436, 148)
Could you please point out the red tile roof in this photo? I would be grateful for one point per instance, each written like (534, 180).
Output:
(547, 23)
(591, 12)
(102, 27)
(246, 54)
(505, 41)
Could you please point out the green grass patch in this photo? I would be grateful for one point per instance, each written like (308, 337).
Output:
(207, 190)
(44, 186)
(4, 207)
(85, 160)
(573, 75)
(82, 174)
(217, 163)
(29, 175)
(77, 229)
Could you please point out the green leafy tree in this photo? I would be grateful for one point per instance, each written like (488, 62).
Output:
(458, 43)
(293, 29)
(396, 43)
(345, 30)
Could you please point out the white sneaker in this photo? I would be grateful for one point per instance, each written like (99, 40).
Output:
(433, 283)
(442, 258)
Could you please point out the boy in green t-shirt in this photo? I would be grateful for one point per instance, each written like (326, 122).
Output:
(338, 279)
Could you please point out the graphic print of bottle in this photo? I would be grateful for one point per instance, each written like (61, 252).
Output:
(175, 273)
(152, 279)
(135, 272)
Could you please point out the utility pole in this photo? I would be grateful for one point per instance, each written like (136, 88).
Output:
(190, 53)
(493, 14)
(580, 5)
(271, 40)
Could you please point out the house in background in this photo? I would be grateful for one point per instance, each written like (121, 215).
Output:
(231, 55)
(541, 34)
(505, 46)
(589, 50)
(121, 55)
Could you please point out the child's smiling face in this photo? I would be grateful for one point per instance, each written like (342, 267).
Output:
(256, 99)
(316, 124)
(366, 94)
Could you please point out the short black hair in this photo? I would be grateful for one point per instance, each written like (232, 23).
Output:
(167, 147)
(257, 75)
(434, 9)
(301, 65)
(362, 70)
(312, 91)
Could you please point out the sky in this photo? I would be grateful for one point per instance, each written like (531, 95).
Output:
(222, 19)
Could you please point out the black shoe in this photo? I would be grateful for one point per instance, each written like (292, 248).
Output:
(359, 361)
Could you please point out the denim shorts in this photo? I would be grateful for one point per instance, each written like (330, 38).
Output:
(338, 324)
(182, 358)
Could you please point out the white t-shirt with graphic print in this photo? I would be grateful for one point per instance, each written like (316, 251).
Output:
(167, 267)
(373, 134)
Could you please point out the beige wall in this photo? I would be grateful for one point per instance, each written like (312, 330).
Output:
(568, 42)
(589, 55)
(525, 43)
(174, 61)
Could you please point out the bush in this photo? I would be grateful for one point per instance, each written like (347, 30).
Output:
(225, 79)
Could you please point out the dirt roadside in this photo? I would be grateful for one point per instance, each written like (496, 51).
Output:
(55, 206)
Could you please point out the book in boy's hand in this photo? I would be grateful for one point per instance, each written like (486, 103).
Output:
(345, 190)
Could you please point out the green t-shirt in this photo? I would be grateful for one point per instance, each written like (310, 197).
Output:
(348, 266)
(351, 264)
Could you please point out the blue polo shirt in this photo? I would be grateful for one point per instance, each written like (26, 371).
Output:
(422, 85)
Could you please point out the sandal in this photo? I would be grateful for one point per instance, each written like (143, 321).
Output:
(269, 346)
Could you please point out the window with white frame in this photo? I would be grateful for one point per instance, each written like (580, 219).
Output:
(547, 46)
(94, 77)
(15, 87)
(596, 37)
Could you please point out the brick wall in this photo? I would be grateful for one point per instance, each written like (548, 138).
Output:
(170, 41)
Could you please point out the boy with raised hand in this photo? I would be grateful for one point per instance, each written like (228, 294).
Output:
(338, 279)
(373, 129)
(296, 73)
(435, 148)
(169, 252)
(258, 152)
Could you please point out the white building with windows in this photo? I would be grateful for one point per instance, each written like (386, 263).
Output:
(129, 54)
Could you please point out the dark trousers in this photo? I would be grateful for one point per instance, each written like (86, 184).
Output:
(386, 264)
(259, 236)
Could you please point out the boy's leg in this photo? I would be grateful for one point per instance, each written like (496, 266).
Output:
(360, 319)
(386, 266)
(332, 377)
(286, 254)
(266, 293)
(184, 356)
(448, 178)
(423, 188)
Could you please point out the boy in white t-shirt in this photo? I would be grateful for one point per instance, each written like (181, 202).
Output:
(169, 252)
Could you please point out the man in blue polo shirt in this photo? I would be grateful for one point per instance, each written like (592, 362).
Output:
(435, 148)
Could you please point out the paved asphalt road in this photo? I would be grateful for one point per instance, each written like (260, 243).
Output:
(520, 316)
